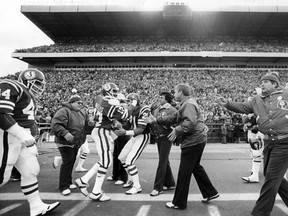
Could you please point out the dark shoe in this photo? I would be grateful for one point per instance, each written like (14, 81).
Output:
(171, 205)
(208, 199)
(156, 193)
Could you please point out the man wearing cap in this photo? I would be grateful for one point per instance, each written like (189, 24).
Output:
(68, 126)
(271, 110)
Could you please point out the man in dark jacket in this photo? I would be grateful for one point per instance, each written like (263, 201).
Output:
(164, 176)
(192, 130)
(271, 111)
(68, 126)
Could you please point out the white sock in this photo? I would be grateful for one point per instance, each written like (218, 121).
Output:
(100, 176)
(90, 173)
(255, 168)
(32, 194)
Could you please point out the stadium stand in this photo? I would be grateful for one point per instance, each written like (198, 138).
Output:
(221, 53)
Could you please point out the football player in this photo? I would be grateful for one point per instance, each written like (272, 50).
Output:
(84, 149)
(135, 146)
(108, 109)
(17, 144)
(255, 139)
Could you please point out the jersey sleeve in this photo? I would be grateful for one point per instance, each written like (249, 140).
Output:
(117, 112)
(113, 109)
(9, 93)
(143, 113)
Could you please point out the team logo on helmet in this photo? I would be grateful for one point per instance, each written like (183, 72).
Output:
(29, 74)
(106, 87)
(110, 89)
(34, 80)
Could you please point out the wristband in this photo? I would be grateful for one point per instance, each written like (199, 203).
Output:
(130, 133)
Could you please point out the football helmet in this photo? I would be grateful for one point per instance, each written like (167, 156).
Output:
(34, 80)
(133, 97)
(110, 89)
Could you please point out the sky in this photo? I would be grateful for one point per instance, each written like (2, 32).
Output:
(16, 32)
(19, 32)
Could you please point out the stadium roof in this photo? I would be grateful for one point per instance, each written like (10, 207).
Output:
(77, 22)
(86, 21)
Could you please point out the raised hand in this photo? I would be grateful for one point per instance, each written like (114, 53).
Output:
(221, 101)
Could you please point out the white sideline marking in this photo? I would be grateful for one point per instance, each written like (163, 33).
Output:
(213, 210)
(283, 208)
(136, 197)
(77, 208)
(9, 208)
(143, 211)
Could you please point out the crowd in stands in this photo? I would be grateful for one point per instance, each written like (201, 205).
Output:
(164, 45)
(207, 84)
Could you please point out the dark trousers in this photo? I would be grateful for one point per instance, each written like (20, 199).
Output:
(275, 167)
(68, 155)
(164, 176)
(190, 164)
(118, 172)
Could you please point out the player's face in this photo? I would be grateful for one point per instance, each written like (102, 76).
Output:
(177, 95)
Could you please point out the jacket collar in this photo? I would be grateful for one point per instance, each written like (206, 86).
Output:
(277, 91)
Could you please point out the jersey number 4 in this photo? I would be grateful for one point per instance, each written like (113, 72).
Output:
(5, 94)
(30, 111)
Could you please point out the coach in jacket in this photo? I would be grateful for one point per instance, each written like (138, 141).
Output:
(164, 176)
(68, 126)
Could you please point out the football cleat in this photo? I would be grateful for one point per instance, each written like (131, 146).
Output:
(82, 186)
(129, 183)
(102, 197)
(44, 209)
(251, 179)
(134, 190)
